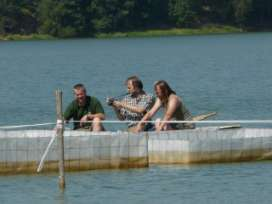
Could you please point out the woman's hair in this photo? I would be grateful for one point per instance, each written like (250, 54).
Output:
(165, 88)
(136, 82)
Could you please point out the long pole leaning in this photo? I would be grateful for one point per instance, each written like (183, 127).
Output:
(60, 138)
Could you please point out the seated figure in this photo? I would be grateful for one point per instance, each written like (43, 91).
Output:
(174, 109)
(134, 105)
(86, 111)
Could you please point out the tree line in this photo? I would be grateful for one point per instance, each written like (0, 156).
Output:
(79, 18)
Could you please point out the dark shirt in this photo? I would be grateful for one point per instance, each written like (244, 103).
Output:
(76, 112)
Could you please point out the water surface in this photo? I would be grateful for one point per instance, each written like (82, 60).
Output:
(220, 183)
(230, 74)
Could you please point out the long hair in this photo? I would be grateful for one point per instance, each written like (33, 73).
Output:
(166, 90)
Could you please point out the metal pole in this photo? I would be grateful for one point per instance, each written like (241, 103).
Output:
(60, 138)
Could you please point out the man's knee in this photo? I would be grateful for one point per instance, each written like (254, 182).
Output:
(97, 125)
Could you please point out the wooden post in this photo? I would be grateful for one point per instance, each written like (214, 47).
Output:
(60, 139)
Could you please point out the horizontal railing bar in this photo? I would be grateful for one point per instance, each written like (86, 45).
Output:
(152, 121)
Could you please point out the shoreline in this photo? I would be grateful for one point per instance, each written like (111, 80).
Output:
(19, 37)
(205, 30)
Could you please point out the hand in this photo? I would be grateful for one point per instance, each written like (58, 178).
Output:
(83, 120)
(162, 127)
(138, 128)
(117, 104)
(110, 101)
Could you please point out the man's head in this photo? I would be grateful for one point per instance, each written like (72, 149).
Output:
(134, 85)
(80, 94)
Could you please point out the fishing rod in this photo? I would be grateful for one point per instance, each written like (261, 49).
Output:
(120, 96)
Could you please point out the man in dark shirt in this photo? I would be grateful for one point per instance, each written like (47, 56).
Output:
(85, 109)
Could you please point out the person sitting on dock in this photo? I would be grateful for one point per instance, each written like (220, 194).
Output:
(174, 109)
(85, 109)
(134, 105)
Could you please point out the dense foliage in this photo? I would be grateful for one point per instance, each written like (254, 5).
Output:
(69, 18)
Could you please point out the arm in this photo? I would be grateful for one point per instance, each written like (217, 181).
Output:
(117, 112)
(142, 107)
(90, 116)
(97, 111)
(149, 115)
(112, 102)
(172, 106)
(131, 108)
(101, 116)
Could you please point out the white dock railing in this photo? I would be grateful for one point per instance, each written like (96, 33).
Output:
(150, 121)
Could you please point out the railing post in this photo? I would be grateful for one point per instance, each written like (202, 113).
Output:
(60, 138)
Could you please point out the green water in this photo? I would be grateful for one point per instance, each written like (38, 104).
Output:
(230, 74)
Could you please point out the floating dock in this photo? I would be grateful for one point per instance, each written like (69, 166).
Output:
(21, 151)
(210, 145)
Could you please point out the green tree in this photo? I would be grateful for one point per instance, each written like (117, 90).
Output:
(63, 18)
(124, 15)
(18, 17)
(261, 15)
(215, 11)
(150, 14)
(242, 9)
(158, 13)
(113, 15)
(184, 13)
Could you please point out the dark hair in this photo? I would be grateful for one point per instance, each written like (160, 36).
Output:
(166, 89)
(136, 82)
(79, 86)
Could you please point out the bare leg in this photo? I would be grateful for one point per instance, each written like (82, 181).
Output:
(97, 125)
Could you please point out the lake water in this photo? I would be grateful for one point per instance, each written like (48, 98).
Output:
(230, 74)
(221, 183)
